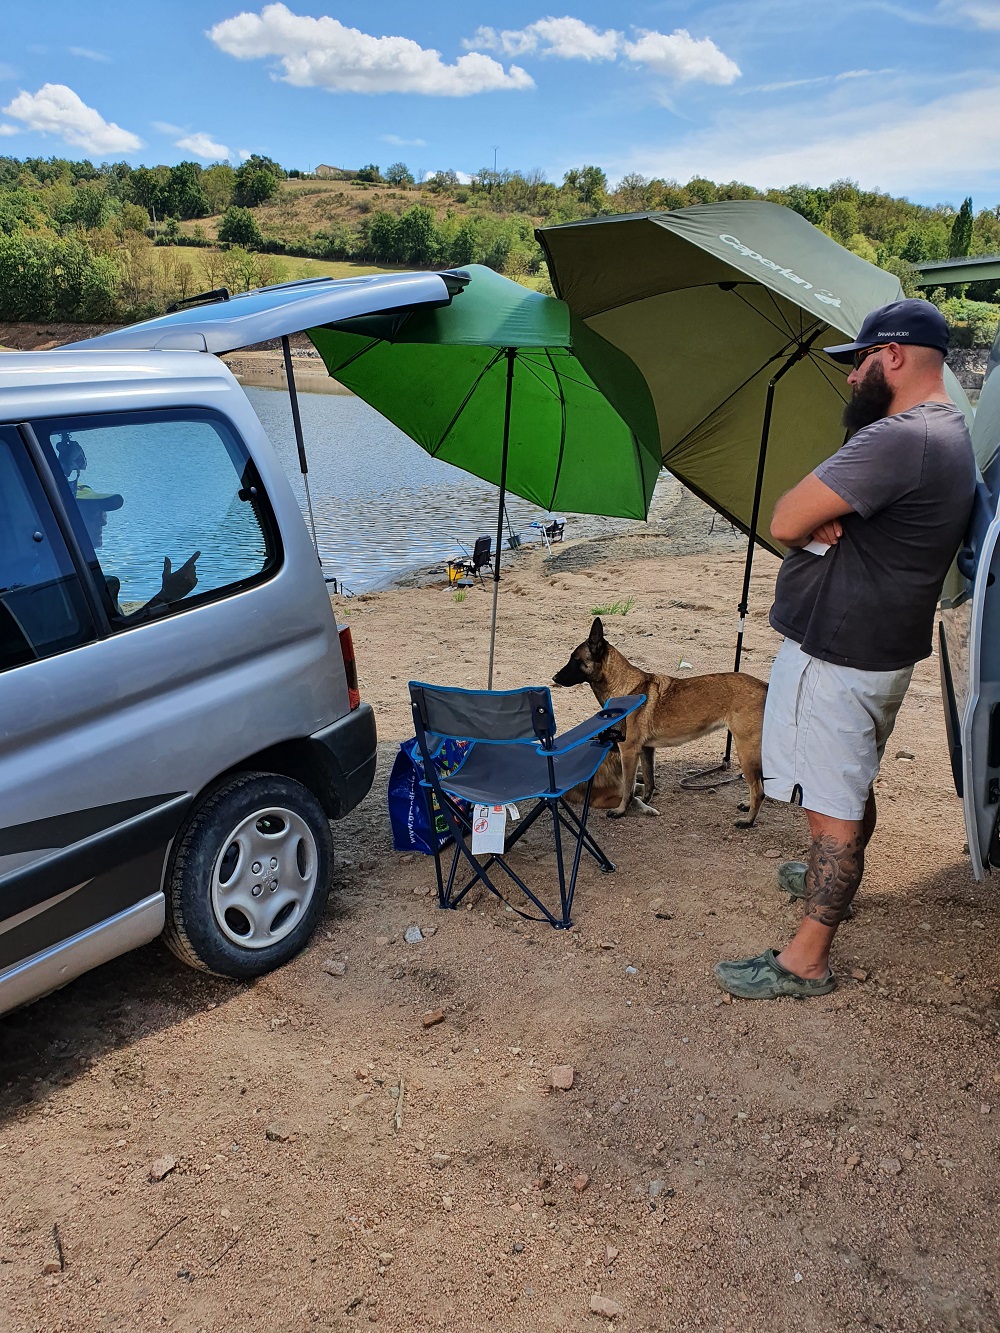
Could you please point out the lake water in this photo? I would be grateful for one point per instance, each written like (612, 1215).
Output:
(382, 505)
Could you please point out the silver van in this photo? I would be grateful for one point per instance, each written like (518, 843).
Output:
(179, 714)
(969, 645)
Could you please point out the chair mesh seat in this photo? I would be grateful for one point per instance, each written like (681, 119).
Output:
(493, 774)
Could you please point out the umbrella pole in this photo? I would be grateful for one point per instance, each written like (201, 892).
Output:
(691, 781)
(300, 444)
(511, 354)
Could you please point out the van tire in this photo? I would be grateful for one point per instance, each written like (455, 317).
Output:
(199, 928)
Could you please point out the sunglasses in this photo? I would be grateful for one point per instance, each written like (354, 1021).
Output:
(866, 352)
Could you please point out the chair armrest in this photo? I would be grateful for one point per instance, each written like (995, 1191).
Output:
(613, 712)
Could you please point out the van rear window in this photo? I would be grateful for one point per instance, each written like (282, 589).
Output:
(167, 505)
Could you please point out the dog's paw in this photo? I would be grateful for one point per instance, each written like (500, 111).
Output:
(616, 814)
(744, 806)
(647, 809)
(744, 823)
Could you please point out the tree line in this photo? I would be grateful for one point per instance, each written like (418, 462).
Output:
(76, 239)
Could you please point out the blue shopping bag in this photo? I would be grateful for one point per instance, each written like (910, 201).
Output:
(408, 816)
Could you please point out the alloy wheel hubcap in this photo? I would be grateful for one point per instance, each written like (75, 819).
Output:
(264, 877)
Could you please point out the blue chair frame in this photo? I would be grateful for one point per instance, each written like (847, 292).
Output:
(515, 755)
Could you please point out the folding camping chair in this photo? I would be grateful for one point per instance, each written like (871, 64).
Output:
(515, 756)
(482, 558)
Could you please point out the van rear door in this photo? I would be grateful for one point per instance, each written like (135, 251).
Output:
(222, 323)
(969, 643)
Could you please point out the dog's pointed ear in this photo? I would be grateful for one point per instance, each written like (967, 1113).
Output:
(597, 642)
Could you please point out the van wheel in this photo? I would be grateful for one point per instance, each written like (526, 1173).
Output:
(249, 876)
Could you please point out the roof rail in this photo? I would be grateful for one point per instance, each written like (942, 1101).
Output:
(202, 298)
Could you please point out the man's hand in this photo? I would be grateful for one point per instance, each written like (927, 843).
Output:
(828, 533)
(178, 583)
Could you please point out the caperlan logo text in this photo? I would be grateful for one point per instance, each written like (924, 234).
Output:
(827, 298)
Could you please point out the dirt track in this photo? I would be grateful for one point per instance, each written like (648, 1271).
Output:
(821, 1166)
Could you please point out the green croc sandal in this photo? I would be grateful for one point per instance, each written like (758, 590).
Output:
(792, 880)
(763, 978)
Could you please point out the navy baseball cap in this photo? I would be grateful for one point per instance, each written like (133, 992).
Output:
(905, 322)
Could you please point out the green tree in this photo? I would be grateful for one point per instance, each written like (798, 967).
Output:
(463, 247)
(914, 250)
(370, 173)
(960, 241)
(418, 236)
(383, 237)
(183, 196)
(842, 220)
(590, 184)
(399, 174)
(253, 185)
(218, 182)
(239, 227)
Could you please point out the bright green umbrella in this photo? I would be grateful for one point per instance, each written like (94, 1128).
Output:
(506, 384)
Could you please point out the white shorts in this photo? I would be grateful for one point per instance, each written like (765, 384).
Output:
(825, 728)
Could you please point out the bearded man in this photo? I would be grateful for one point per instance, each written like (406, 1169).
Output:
(870, 536)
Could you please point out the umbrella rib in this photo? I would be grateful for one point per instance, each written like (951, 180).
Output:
(562, 431)
(787, 331)
(739, 388)
(823, 368)
(465, 402)
(355, 356)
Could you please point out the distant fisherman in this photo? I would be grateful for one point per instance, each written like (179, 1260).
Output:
(871, 534)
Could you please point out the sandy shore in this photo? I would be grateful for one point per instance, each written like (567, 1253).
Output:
(822, 1166)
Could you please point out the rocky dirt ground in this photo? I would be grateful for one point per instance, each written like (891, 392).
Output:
(178, 1152)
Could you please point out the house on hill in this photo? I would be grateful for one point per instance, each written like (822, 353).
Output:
(326, 172)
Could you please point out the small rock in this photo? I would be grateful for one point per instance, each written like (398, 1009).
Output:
(859, 974)
(606, 944)
(602, 1305)
(413, 935)
(798, 1277)
(277, 1134)
(518, 1247)
(890, 1166)
(581, 1182)
(985, 1108)
(439, 1160)
(631, 971)
(421, 891)
(386, 1258)
(656, 1188)
(772, 853)
(162, 1167)
(51, 1266)
(611, 1253)
(382, 940)
(447, 1202)
(335, 967)
(905, 754)
(430, 930)
(562, 1077)
(408, 859)
(854, 1160)
(432, 1018)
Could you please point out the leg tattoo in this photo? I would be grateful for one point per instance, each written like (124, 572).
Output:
(835, 869)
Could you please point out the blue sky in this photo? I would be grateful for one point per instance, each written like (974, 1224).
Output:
(902, 95)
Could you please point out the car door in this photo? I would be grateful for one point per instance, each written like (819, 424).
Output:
(969, 645)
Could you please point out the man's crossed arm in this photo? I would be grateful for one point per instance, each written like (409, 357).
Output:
(809, 512)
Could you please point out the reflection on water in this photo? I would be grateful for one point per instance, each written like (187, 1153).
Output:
(382, 505)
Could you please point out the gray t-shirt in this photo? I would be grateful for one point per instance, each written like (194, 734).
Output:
(870, 601)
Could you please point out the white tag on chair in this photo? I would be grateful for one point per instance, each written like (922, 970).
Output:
(489, 828)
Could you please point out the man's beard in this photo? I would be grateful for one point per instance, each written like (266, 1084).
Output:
(870, 400)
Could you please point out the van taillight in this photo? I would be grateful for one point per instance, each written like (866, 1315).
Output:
(350, 666)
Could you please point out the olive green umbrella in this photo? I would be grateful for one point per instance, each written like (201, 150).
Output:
(725, 308)
(504, 382)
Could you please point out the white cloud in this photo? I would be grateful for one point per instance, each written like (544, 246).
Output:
(204, 146)
(323, 53)
(819, 79)
(397, 142)
(568, 38)
(8, 129)
(85, 53)
(56, 109)
(677, 56)
(683, 57)
(981, 13)
(243, 154)
(462, 177)
(165, 127)
(958, 136)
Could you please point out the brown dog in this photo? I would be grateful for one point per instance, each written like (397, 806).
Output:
(675, 711)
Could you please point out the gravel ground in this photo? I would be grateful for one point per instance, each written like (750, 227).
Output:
(328, 1161)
